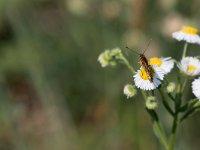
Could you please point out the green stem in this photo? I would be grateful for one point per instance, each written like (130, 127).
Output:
(144, 95)
(171, 97)
(157, 128)
(126, 62)
(175, 120)
(184, 84)
(188, 105)
(189, 113)
(168, 108)
(173, 132)
(185, 49)
(161, 136)
(178, 93)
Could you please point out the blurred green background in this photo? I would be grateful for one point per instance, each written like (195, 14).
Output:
(54, 95)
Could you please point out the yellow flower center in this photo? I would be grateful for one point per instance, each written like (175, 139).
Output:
(144, 75)
(189, 30)
(155, 61)
(191, 68)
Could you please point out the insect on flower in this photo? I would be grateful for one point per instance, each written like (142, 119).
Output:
(144, 62)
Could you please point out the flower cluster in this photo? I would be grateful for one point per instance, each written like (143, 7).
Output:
(109, 57)
(160, 66)
(151, 76)
(190, 65)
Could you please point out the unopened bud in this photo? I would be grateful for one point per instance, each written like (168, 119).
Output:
(151, 102)
(171, 87)
(129, 90)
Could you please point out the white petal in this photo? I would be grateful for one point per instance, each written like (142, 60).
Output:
(189, 61)
(189, 38)
(167, 64)
(146, 84)
(196, 87)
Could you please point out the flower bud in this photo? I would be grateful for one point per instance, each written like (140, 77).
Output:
(110, 57)
(129, 90)
(116, 52)
(171, 87)
(104, 58)
(151, 102)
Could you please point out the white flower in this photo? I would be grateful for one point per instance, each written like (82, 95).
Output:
(166, 64)
(142, 81)
(171, 87)
(196, 88)
(190, 66)
(129, 90)
(151, 102)
(188, 34)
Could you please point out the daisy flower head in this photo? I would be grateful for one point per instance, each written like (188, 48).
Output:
(188, 34)
(190, 66)
(195, 88)
(142, 81)
(166, 64)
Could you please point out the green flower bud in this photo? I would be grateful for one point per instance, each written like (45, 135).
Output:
(151, 102)
(104, 58)
(116, 52)
(110, 57)
(171, 87)
(129, 90)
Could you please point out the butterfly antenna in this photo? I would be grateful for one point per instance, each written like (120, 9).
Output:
(132, 50)
(147, 46)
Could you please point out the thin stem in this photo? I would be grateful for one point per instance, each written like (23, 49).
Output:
(184, 84)
(160, 134)
(171, 97)
(189, 113)
(165, 103)
(126, 62)
(175, 120)
(178, 93)
(157, 128)
(185, 49)
(188, 105)
(144, 95)
(173, 132)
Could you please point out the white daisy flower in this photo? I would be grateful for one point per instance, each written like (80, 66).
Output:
(188, 34)
(166, 64)
(195, 88)
(190, 66)
(142, 81)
